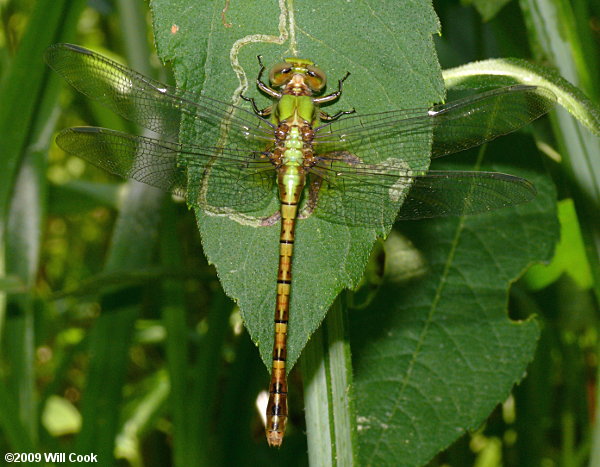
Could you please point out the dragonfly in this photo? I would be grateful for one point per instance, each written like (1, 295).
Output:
(347, 168)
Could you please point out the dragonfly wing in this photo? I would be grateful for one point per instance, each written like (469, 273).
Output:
(245, 187)
(126, 155)
(223, 178)
(371, 195)
(453, 193)
(454, 126)
(469, 122)
(360, 194)
(152, 104)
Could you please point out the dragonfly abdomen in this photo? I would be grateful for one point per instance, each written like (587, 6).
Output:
(291, 180)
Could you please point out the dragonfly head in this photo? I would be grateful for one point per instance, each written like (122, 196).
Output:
(298, 76)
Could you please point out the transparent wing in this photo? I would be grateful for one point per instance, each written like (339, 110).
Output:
(371, 195)
(368, 165)
(222, 178)
(152, 104)
(450, 193)
(454, 126)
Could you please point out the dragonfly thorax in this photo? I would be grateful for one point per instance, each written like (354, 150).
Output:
(293, 146)
(295, 110)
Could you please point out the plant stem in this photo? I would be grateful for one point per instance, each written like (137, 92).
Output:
(327, 369)
(548, 24)
(556, 35)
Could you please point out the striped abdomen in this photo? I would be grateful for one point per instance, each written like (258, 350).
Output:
(291, 180)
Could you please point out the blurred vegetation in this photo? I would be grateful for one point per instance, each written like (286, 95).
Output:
(84, 276)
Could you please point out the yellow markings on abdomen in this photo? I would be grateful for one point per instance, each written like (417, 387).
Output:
(277, 405)
(290, 188)
(291, 180)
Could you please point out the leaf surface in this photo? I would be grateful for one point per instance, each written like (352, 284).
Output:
(436, 351)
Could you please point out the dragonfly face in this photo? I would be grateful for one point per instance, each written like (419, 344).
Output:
(298, 77)
(359, 170)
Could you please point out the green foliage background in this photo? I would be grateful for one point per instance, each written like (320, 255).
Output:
(116, 336)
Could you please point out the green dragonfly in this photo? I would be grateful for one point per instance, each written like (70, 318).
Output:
(347, 168)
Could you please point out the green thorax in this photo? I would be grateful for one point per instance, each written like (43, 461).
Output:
(295, 108)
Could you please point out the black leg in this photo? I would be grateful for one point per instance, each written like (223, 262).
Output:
(331, 97)
(262, 86)
(261, 113)
(262, 67)
(334, 95)
(329, 118)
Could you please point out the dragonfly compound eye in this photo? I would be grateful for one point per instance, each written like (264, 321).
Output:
(281, 73)
(315, 78)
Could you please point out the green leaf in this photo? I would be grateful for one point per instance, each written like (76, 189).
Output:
(557, 37)
(78, 196)
(134, 236)
(220, 60)
(435, 352)
(25, 92)
(569, 257)
(21, 88)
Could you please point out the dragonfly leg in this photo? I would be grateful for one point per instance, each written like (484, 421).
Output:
(260, 112)
(271, 220)
(313, 198)
(321, 173)
(331, 97)
(334, 95)
(328, 118)
(262, 86)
